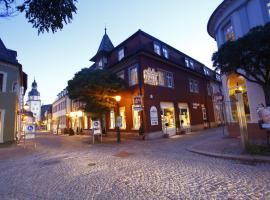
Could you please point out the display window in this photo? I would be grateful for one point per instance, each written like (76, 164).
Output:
(184, 115)
(136, 119)
(112, 119)
(122, 112)
(167, 116)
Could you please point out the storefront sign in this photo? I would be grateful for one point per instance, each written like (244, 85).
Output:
(153, 116)
(150, 76)
(137, 108)
(195, 105)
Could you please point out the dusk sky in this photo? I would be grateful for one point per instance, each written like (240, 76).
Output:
(54, 58)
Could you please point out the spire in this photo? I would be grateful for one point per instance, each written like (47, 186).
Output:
(106, 46)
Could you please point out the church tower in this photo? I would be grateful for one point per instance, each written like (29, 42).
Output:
(34, 101)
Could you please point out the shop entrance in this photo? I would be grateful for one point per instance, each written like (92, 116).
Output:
(168, 118)
(184, 117)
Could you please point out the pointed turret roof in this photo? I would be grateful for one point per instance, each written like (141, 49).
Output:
(105, 47)
(34, 91)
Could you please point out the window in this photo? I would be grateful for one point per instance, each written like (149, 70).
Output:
(204, 113)
(191, 64)
(165, 52)
(229, 32)
(112, 119)
(206, 71)
(157, 48)
(136, 118)
(161, 78)
(121, 54)
(133, 76)
(1, 82)
(169, 79)
(100, 63)
(122, 112)
(209, 89)
(193, 86)
(187, 62)
(121, 74)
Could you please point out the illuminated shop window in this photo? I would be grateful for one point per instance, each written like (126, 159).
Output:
(167, 117)
(136, 119)
(122, 112)
(121, 54)
(112, 119)
(229, 32)
(157, 48)
(238, 83)
(133, 76)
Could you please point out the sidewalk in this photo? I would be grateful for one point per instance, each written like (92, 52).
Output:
(226, 148)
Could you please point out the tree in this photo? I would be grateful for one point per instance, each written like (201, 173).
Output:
(96, 88)
(44, 15)
(249, 56)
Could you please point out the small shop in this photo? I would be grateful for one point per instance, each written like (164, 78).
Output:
(168, 118)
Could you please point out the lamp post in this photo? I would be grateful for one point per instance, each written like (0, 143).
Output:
(118, 122)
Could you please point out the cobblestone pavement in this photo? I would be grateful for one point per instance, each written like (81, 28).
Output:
(65, 167)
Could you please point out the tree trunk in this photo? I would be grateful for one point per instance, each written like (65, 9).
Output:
(266, 90)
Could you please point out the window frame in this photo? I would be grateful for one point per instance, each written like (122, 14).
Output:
(194, 86)
(165, 52)
(130, 69)
(121, 53)
(166, 79)
(158, 49)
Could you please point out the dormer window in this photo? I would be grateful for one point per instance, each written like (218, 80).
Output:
(206, 71)
(165, 52)
(229, 32)
(187, 62)
(100, 63)
(121, 54)
(191, 64)
(157, 48)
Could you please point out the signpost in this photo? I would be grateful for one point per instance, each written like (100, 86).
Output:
(29, 133)
(96, 130)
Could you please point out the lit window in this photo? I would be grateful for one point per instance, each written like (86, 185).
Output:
(136, 119)
(112, 119)
(133, 76)
(1, 82)
(157, 48)
(229, 32)
(121, 74)
(169, 79)
(206, 71)
(165, 52)
(121, 54)
(122, 112)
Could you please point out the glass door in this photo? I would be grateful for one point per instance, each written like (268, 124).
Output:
(184, 117)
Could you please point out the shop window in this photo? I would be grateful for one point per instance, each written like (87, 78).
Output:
(193, 86)
(157, 48)
(121, 74)
(112, 119)
(238, 83)
(169, 79)
(121, 54)
(122, 112)
(167, 116)
(133, 76)
(184, 115)
(165, 52)
(136, 119)
(229, 32)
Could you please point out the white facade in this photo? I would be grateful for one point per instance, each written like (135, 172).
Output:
(34, 102)
(232, 20)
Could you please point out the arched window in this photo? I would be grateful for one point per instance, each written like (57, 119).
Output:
(238, 83)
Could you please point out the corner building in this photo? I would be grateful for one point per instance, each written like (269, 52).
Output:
(177, 91)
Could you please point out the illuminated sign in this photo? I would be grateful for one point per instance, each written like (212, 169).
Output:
(150, 76)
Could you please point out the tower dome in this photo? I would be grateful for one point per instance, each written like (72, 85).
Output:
(34, 91)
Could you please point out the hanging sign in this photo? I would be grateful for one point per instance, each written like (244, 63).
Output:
(137, 103)
(154, 116)
(150, 76)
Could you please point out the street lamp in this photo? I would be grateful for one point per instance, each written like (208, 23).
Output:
(118, 99)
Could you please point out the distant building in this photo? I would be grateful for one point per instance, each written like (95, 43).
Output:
(34, 101)
(175, 91)
(231, 20)
(46, 116)
(13, 84)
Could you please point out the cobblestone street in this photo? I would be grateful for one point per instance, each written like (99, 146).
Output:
(64, 167)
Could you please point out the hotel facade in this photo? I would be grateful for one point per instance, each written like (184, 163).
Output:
(169, 92)
(232, 20)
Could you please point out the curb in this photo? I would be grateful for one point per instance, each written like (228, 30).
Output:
(257, 159)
